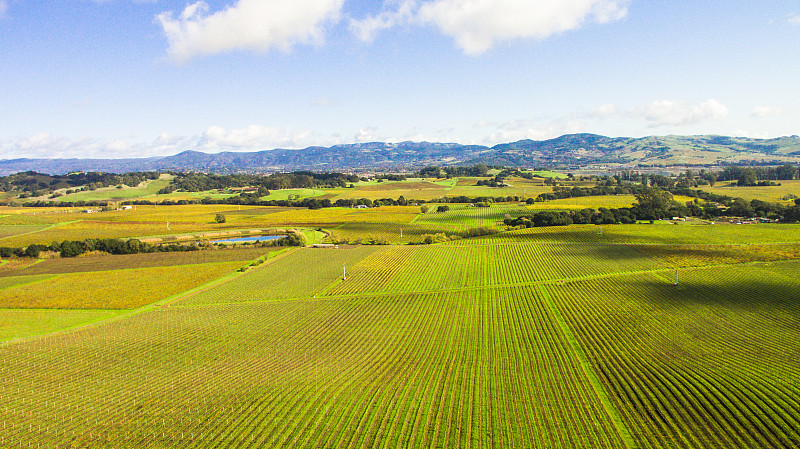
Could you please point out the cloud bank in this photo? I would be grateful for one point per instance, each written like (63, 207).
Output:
(680, 113)
(766, 111)
(3, 8)
(213, 140)
(479, 25)
(257, 25)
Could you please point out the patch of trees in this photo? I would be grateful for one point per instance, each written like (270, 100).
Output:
(654, 204)
(391, 177)
(74, 248)
(452, 172)
(473, 200)
(198, 182)
(750, 175)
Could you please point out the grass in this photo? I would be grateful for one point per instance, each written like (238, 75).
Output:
(147, 188)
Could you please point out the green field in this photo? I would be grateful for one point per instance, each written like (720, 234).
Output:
(146, 189)
(563, 337)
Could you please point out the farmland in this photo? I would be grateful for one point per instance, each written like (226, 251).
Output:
(572, 336)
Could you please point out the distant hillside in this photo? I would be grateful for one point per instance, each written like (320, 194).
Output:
(570, 150)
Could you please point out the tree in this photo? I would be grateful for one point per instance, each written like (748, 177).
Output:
(747, 177)
(654, 203)
(443, 208)
(220, 218)
(423, 209)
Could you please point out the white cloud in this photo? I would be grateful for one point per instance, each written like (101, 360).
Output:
(751, 135)
(367, 135)
(766, 111)
(246, 25)
(603, 111)
(3, 7)
(253, 138)
(45, 145)
(213, 140)
(794, 19)
(514, 130)
(366, 29)
(478, 25)
(679, 113)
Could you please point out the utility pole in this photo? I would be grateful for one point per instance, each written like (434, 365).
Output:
(344, 272)
(676, 277)
(401, 232)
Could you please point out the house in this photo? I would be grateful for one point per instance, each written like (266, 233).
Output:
(361, 206)
(89, 211)
(127, 207)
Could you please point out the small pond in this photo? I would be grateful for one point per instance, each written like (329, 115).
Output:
(257, 238)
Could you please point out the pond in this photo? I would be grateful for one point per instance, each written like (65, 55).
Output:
(256, 238)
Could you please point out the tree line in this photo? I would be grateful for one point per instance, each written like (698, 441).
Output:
(653, 204)
(32, 184)
(199, 182)
(74, 248)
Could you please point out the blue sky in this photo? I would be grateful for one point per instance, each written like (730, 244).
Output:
(123, 78)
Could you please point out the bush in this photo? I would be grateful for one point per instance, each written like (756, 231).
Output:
(220, 218)
(434, 238)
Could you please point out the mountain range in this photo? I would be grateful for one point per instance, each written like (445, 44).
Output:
(567, 151)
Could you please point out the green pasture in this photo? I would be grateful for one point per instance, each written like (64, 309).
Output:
(112, 193)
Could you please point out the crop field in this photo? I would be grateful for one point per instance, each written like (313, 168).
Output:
(773, 194)
(390, 232)
(657, 234)
(25, 323)
(113, 289)
(165, 221)
(104, 263)
(298, 274)
(710, 363)
(563, 337)
(464, 216)
(10, 230)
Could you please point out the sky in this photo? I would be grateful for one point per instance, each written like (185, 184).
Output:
(137, 78)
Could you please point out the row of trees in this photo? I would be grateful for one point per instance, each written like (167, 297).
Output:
(73, 248)
(199, 182)
(653, 204)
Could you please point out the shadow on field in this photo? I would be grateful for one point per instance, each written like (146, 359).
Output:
(759, 293)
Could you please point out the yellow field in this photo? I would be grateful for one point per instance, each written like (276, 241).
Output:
(773, 194)
(117, 289)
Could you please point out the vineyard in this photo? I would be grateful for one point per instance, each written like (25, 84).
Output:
(567, 337)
